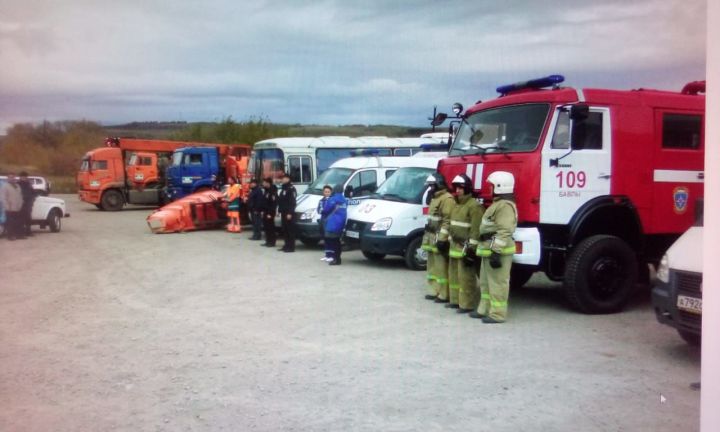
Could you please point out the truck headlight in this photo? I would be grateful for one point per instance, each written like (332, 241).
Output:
(383, 224)
(663, 271)
(307, 214)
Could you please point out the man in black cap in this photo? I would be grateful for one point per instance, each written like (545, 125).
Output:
(286, 205)
(269, 209)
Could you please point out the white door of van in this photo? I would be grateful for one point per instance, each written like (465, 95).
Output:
(570, 178)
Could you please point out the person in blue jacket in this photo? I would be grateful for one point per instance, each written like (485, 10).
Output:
(335, 214)
(327, 192)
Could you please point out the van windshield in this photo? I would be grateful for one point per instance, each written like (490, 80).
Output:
(405, 185)
(332, 177)
(509, 129)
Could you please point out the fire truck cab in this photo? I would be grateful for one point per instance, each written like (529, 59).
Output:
(606, 180)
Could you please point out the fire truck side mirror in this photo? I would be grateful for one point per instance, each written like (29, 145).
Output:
(579, 112)
(439, 119)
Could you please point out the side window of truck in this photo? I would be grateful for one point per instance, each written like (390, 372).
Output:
(300, 169)
(591, 133)
(99, 165)
(193, 159)
(681, 131)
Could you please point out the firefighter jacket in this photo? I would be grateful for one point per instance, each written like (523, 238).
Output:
(232, 195)
(464, 221)
(268, 203)
(335, 214)
(497, 228)
(438, 219)
(286, 199)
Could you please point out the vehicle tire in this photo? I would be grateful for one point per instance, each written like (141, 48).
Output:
(310, 242)
(99, 207)
(373, 256)
(692, 339)
(520, 275)
(415, 256)
(54, 221)
(600, 275)
(112, 200)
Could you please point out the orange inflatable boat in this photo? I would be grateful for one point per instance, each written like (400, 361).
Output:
(201, 210)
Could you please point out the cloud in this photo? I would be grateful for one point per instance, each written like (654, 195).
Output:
(327, 61)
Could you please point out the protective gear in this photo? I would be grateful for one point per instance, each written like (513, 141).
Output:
(463, 181)
(435, 238)
(436, 179)
(232, 196)
(503, 182)
(497, 227)
(464, 222)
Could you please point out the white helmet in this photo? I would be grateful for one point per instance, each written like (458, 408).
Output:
(503, 182)
(459, 179)
(430, 180)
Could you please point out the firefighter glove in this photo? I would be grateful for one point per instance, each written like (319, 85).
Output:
(495, 260)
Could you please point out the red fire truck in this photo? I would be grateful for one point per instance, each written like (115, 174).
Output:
(605, 179)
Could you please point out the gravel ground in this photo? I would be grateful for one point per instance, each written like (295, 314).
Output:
(106, 326)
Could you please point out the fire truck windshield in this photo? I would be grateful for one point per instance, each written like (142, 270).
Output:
(509, 129)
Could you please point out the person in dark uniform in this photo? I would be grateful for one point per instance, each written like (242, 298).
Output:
(253, 201)
(286, 206)
(28, 194)
(269, 209)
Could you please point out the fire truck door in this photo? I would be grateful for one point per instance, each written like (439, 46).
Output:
(570, 177)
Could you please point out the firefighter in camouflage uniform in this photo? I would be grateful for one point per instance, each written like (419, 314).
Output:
(496, 249)
(436, 230)
(462, 266)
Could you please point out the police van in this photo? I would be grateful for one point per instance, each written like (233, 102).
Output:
(359, 177)
(392, 221)
(677, 294)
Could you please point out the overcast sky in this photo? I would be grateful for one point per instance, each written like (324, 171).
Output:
(329, 62)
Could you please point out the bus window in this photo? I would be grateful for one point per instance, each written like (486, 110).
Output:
(327, 157)
(299, 169)
(267, 163)
(403, 152)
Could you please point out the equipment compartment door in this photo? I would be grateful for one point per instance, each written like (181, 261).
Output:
(570, 178)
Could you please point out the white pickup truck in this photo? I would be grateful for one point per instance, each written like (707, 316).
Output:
(47, 212)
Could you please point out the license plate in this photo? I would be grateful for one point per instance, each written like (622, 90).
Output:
(689, 304)
(352, 234)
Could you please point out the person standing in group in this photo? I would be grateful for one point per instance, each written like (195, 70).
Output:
(28, 194)
(335, 214)
(269, 210)
(12, 200)
(232, 196)
(286, 206)
(327, 191)
(435, 239)
(496, 249)
(462, 270)
(253, 201)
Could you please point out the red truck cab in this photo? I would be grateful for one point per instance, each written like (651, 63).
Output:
(605, 179)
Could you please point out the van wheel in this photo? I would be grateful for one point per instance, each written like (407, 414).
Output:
(600, 275)
(54, 221)
(415, 256)
(112, 200)
(692, 339)
(372, 256)
(520, 275)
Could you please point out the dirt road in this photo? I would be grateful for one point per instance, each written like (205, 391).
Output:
(106, 326)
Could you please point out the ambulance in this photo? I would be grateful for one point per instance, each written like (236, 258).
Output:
(392, 220)
(359, 177)
(606, 180)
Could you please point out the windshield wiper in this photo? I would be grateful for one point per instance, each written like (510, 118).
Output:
(393, 197)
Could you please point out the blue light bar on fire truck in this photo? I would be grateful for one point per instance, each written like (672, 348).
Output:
(537, 83)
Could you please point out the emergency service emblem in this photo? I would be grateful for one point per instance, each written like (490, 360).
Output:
(680, 199)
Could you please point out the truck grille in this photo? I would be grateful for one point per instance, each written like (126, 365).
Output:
(688, 284)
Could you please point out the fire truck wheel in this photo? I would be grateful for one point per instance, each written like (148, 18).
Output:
(415, 256)
(112, 200)
(520, 275)
(691, 338)
(600, 275)
(373, 256)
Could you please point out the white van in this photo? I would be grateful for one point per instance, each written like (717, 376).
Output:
(677, 292)
(361, 175)
(392, 221)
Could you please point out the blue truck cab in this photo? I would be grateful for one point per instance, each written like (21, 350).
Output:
(192, 169)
